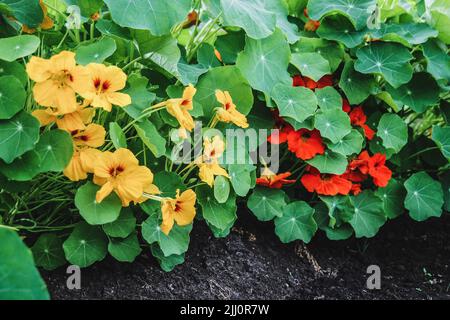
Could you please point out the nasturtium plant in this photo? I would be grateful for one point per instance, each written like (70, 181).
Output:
(125, 124)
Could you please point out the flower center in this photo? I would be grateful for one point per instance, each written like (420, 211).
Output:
(114, 171)
(101, 86)
(62, 78)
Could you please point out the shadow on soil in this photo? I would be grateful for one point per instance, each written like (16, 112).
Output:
(251, 263)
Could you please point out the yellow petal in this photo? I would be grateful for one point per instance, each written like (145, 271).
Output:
(74, 171)
(104, 191)
(71, 122)
(206, 175)
(127, 158)
(93, 136)
(187, 212)
(39, 69)
(116, 78)
(65, 60)
(89, 158)
(119, 99)
(44, 117)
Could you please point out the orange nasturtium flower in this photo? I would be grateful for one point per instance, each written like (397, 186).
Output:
(85, 154)
(46, 24)
(272, 180)
(58, 79)
(101, 89)
(120, 172)
(76, 120)
(180, 210)
(228, 112)
(179, 109)
(208, 163)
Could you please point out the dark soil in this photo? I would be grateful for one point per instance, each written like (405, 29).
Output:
(251, 263)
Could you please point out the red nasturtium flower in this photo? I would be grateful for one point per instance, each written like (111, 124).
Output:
(325, 184)
(358, 118)
(305, 144)
(272, 180)
(299, 81)
(378, 170)
(310, 25)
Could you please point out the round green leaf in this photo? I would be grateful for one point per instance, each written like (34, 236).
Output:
(17, 47)
(85, 245)
(393, 131)
(117, 135)
(125, 250)
(20, 280)
(227, 78)
(312, 65)
(264, 62)
(388, 59)
(419, 94)
(48, 252)
(176, 243)
(55, 149)
(393, 196)
(330, 50)
(438, 61)
(333, 124)
(424, 198)
(93, 212)
(266, 203)
(296, 103)
(350, 144)
(157, 16)
(221, 189)
(296, 223)
(18, 135)
(329, 99)
(168, 183)
(356, 86)
(96, 52)
(405, 33)
(441, 135)
(220, 215)
(15, 69)
(368, 215)
(338, 28)
(23, 168)
(329, 162)
(151, 137)
(27, 12)
(166, 263)
(123, 226)
(12, 96)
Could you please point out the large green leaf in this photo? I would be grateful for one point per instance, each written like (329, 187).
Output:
(17, 47)
(48, 252)
(330, 50)
(329, 162)
(123, 226)
(405, 33)
(125, 250)
(438, 60)
(166, 263)
(296, 103)
(15, 69)
(264, 62)
(333, 124)
(220, 215)
(20, 280)
(12, 96)
(141, 97)
(296, 223)
(356, 86)
(152, 139)
(266, 203)
(250, 15)
(393, 196)
(424, 198)
(440, 19)
(240, 179)
(28, 12)
(328, 98)
(350, 144)
(160, 50)
(18, 135)
(55, 149)
(176, 243)
(419, 94)
(227, 78)
(333, 232)
(339, 28)
(280, 9)
(388, 59)
(221, 189)
(85, 245)
(356, 10)
(159, 17)
(393, 131)
(368, 215)
(93, 212)
(96, 52)
(117, 135)
(441, 135)
(312, 64)
(23, 168)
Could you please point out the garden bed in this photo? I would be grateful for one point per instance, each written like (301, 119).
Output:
(251, 263)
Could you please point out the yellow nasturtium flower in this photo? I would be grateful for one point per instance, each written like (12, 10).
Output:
(209, 163)
(58, 79)
(180, 210)
(179, 108)
(46, 24)
(228, 112)
(85, 154)
(73, 121)
(101, 89)
(120, 172)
